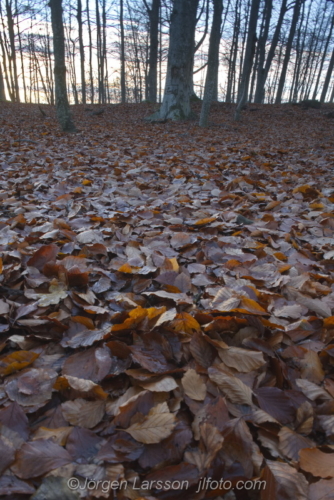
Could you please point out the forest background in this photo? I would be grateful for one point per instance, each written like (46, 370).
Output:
(116, 50)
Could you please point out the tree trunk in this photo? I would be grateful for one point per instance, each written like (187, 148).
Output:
(327, 79)
(249, 54)
(233, 56)
(262, 49)
(293, 26)
(2, 86)
(323, 59)
(213, 62)
(153, 14)
(90, 55)
(82, 52)
(176, 100)
(123, 86)
(12, 57)
(62, 106)
(263, 71)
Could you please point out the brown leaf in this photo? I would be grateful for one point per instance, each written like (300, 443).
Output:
(158, 425)
(44, 254)
(83, 413)
(242, 360)
(39, 457)
(194, 385)
(317, 462)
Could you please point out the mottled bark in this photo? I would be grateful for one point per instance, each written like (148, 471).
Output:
(62, 105)
(176, 101)
(213, 62)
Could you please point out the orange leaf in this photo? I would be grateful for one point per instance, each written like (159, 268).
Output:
(125, 268)
(280, 256)
(17, 361)
(86, 182)
(202, 222)
(329, 322)
(88, 322)
(252, 306)
(185, 323)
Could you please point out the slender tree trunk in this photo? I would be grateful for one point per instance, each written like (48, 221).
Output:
(249, 54)
(323, 58)
(21, 55)
(2, 86)
(233, 56)
(82, 52)
(213, 62)
(262, 50)
(90, 55)
(176, 101)
(9, 82)
(11, 34)
(263, 71)
(123, 85)
(153, 13)
(62, 106)
(286, 60)
(104, 52)
(327, 79)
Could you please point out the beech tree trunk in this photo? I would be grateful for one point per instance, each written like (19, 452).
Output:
(123, 86)
(62, 105)
(152, 78)
(327, 79)
(213, 62)
(263, 71)
(2, 86)
(249, 55)
(293, 26)
(82, 53)
(176, 100)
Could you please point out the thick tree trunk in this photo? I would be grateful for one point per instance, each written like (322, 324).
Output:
(327, 79)
(249, 55)
(62, 105)
(293, 26)
(263, 71)
(213, 62)
(152, 77)
(176, 101)
(82, 53)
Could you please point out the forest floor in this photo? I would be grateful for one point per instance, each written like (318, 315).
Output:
(166, 310)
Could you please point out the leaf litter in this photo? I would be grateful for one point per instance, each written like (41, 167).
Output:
(167, 304)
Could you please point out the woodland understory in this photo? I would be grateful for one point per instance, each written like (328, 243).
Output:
(167, 297)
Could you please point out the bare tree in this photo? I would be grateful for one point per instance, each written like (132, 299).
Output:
(213, 62)
(153, 13)
(82, 52)
(178, 88)
(296, 11)
(62, 105)
(249, 55)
